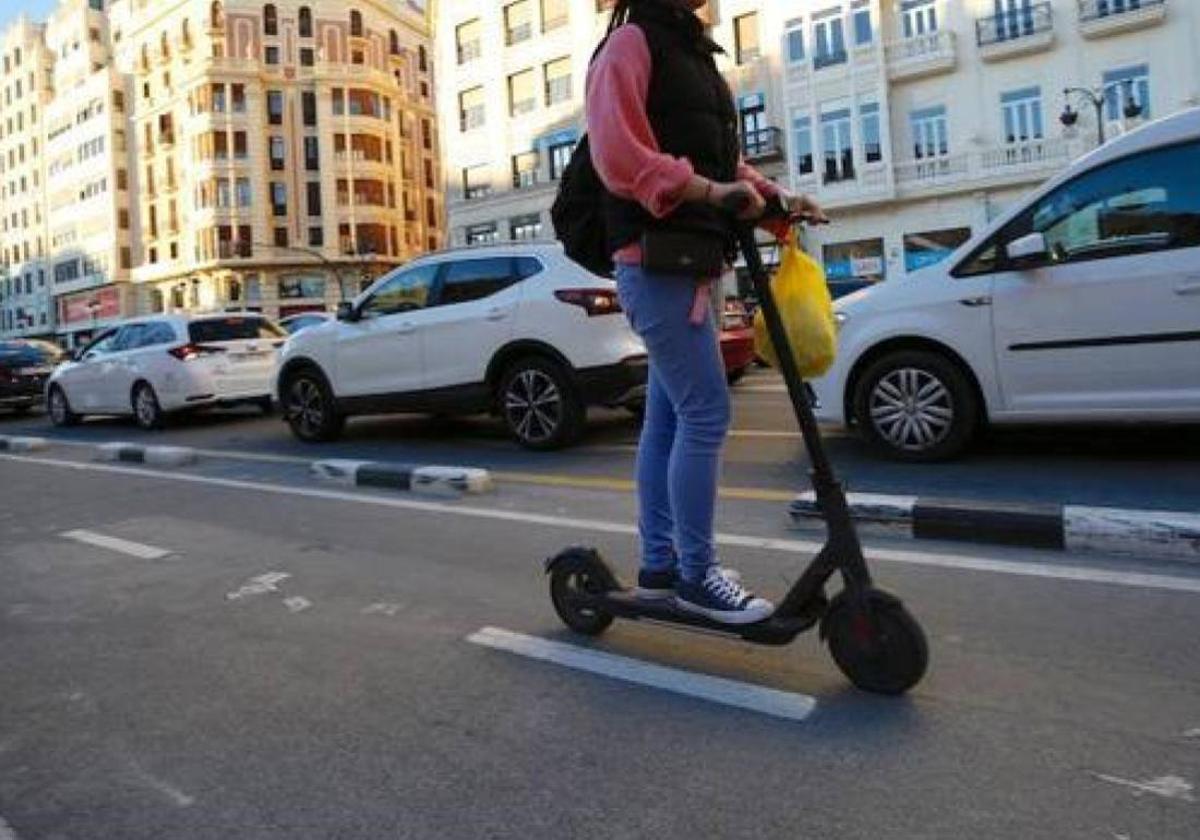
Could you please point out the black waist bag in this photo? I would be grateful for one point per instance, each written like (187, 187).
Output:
(697, 255)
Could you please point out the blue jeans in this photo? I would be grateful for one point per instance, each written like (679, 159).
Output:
(687, 417)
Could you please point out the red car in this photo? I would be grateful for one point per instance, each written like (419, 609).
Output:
(737, 339)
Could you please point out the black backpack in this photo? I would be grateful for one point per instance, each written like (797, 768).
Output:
(578, 213)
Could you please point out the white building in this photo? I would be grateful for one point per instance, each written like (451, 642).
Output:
(917, 121)
(914, 121)
(25, 88)
(88, 175)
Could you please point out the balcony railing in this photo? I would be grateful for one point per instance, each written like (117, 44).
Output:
(479, 191)
(1025, 154)
(1012, 25)
(932, 170)
(469, 51)
(921, 55)
(764, 144)
(1090, 10)
(1021, 161)
(517, 34)
(831, 59)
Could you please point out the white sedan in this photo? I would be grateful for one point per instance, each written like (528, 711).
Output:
(1081, 305)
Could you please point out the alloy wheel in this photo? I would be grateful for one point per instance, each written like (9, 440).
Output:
(534, 405)
(58, 407)
(912, 409)
(306, 406)
(146, 407)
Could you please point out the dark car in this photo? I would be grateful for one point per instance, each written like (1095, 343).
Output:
(25, 365)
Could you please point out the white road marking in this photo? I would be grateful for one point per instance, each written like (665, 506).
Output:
(259, 585)
(297, 603)
(767, 434)
(755, 698)
(6, 832)
(1168, 787)
(168, 790)
(1052, 571)
(383, 608)
(132, 549)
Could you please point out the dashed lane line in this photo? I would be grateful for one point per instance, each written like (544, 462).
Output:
(1052, 571)
(128, 547)
(755, 698)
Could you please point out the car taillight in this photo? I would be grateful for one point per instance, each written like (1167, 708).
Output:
(735, 316)
(593, 301)
(193, 351)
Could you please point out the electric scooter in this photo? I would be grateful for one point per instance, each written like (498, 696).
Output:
(873, 639)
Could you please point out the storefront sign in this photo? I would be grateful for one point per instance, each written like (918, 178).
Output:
(95, 304)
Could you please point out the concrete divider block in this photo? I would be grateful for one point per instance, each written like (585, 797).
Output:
(159, 456)
(10, 443)
(447, 482)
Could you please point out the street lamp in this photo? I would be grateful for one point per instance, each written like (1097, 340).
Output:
(1098, 97)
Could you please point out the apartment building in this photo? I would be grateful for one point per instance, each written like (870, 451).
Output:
(89, 175)
(26, 86)
(287, 152)
(918, 121)
(914, 121)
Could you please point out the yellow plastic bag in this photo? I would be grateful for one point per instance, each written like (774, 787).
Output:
(802, 295)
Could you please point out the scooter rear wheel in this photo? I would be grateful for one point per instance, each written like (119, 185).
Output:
(569, 587)
(881, 649)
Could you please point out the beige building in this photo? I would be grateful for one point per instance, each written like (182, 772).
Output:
(26, 87)
(287, 153)
(175, 155)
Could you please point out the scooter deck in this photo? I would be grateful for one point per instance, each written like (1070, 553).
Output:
(776, 630)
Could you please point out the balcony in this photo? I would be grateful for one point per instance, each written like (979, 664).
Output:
(830, 59)
(1028, 161)
(763, 146)
(1021, 32)
(1101, 18)
(922, 55)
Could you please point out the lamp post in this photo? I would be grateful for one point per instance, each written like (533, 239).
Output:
(1098, 97)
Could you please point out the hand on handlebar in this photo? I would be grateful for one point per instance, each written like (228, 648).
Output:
(738, 197)
(805, 208)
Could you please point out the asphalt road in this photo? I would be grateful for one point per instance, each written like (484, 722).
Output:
(1131, 467)
(169, 697)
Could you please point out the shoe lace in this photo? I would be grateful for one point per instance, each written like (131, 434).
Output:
(726, 588)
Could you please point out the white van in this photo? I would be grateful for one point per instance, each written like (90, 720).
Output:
(1081, 305)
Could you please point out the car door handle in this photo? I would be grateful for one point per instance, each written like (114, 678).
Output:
(1191, 287)
(497, 313)
(974, 302)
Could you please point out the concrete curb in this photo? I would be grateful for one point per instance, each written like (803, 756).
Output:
(1171, 535)
(427, 480)
(9, 443)
(159, 456)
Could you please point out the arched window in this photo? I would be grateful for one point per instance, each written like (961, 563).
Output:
(394, 42)
(270, 20)
(422, 59)
(217, 15)
(356, 27)
(306, 29)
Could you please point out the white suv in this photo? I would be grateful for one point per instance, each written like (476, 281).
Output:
(1081, 304)
(150, 367)
(518, 329)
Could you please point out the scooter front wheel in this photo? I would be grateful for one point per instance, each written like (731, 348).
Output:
(570, 588)
(881, 648)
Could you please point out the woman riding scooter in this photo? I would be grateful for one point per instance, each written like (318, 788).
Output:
(664, 141)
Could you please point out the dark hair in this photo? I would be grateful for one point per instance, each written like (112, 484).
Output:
(620, 14)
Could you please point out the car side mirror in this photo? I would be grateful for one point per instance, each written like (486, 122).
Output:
(1029, 248)
(346, 311)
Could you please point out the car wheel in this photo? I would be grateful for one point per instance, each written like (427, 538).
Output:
(916, 405)
(310, 409)
(146, 410)
(59, 408)
(539, 405)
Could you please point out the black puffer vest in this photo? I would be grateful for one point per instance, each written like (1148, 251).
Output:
(691, 111)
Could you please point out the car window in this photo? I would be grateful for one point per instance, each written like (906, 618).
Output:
(468, 280)
(1135, 205)
(101, 345)
(128, 338)
(157, 333)
(232, 328)
(403, 292)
